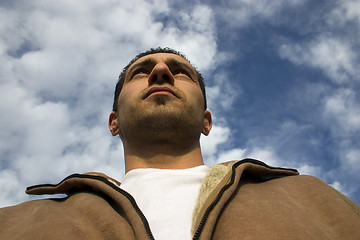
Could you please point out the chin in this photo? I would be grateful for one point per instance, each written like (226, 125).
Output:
(161, 99)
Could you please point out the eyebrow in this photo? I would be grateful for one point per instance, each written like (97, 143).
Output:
(171, 62)
(146, 62)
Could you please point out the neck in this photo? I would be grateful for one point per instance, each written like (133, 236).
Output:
(162, 156)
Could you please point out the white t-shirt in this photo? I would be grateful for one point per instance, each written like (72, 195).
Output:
(167, 197)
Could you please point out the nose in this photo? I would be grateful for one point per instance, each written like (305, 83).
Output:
(161, 74)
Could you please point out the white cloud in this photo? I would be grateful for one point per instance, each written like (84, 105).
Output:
(338, 186)
(332, 45)
(306, 169)
(12, 190)
(28, 123)
(241, 13)
(199, 24)
(209, 144)
(266, 154)
(331, 55)
(223, 92)
(342, 112)
(230, 155)
(351, 162)
(348, 10)
(347, 190)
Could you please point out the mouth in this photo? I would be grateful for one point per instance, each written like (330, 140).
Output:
(160, 91)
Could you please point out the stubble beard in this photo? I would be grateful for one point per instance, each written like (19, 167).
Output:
(163, 121)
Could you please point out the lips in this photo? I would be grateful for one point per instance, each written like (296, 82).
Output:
(160, 90)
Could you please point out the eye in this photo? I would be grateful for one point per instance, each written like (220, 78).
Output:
(181, 72)
(139, 72)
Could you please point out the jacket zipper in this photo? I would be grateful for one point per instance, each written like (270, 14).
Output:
(139, 212)
(133, 203)
(213, 204)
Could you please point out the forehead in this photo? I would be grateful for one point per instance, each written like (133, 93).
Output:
(162, 57)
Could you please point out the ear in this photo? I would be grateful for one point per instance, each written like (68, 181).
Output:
(207, 125)
(113, 124)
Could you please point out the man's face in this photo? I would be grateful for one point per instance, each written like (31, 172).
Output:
(160, 91)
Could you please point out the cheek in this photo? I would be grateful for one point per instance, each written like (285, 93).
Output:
(192, 91)
(130, 91)
(197, 96)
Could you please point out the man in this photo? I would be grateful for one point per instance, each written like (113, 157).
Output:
(159, 113)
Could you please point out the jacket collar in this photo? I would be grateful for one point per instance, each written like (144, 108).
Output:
(222, 180)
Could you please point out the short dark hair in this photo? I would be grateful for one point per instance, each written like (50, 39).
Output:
(121, 80)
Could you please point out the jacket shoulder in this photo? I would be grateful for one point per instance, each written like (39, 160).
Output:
(317, 185)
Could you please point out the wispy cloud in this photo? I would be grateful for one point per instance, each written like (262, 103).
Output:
(334, 57)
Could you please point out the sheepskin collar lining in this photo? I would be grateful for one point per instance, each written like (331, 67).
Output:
(223, 174)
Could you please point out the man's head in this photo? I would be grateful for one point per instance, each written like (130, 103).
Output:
(124, 72)
(160, 98)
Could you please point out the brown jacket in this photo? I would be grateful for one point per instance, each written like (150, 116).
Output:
(238, 200)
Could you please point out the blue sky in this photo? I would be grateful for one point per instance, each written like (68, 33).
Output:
(282, 82)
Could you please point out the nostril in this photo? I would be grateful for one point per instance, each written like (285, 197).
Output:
(166, 77)
(154, 78)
